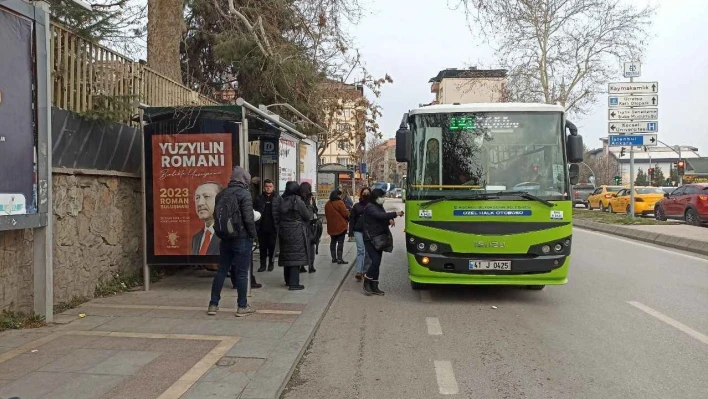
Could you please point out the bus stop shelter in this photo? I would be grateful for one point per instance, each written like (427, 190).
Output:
(330, 177)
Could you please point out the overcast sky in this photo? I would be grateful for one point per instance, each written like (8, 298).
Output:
(431, 37)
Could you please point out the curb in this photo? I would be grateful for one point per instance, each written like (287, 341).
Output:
(270, 380)
(664, 240)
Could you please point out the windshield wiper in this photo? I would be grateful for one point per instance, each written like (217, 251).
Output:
(488, 196)
(478, 196)
(526, 195)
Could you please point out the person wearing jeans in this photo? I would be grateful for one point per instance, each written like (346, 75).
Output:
(356, 227)
(337, 217)
(236, 251)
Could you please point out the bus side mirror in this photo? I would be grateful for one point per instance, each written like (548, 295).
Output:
(574, 148)
(403, 145)
(574, 173)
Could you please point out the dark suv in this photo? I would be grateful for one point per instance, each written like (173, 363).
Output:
(581, 192)
(689, 202)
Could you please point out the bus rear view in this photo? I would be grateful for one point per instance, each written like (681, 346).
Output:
(488, 193)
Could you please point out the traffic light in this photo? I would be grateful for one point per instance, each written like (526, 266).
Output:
(681, 167)
(618, 180)
(535, 168)
(650, 171)
(622, 152)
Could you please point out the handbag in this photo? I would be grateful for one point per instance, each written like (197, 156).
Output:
(381, 242)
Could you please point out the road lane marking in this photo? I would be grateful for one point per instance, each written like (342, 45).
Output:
(679, 252)
(425, 297)
(447, 384)
(433, 326)
(668, 320)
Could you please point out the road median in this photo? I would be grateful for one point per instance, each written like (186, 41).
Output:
(679, 237)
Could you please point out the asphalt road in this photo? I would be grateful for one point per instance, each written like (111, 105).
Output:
(631, 323)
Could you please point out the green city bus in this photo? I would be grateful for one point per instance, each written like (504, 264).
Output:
(488, 194)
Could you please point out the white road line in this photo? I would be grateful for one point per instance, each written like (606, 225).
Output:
(679, 252)
(668, 320)
(447, 384)
(433, 326)
(425, 296)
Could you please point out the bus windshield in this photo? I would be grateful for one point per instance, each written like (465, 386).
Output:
(455, 153)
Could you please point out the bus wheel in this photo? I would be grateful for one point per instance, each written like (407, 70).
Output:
(535, 287)
(418, 286)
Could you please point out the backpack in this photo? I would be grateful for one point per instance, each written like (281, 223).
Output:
(227, 215)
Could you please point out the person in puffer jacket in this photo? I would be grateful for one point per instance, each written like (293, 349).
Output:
(293, 234)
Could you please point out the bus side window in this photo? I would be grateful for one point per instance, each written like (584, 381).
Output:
(432, 162)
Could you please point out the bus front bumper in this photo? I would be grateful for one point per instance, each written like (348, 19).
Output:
(541, 270)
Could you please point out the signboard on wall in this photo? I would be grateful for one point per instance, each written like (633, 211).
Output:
(287, 162)
(308, 162)
(17, 133)
(269, 151)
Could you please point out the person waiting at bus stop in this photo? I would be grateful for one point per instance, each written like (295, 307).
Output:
(293, 234)
(337, 217)
(268, 204)
(356, 229)
(377, 238)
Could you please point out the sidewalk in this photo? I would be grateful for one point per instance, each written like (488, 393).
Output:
(161, 343)
(683, 237)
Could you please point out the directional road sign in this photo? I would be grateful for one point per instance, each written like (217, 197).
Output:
(633, 127)
(628, 100)
(632, 69)
(636, 114)
(633, 140)
(633, 87)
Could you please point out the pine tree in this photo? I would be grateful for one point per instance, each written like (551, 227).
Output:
(641, 179)
(659, 178)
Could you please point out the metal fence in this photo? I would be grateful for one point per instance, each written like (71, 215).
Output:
(90, 78)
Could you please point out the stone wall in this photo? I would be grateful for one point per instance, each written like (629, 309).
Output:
(97, 233)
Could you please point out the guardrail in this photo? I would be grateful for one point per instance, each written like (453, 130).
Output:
(88, 77)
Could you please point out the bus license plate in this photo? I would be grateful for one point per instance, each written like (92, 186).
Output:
(490, 265)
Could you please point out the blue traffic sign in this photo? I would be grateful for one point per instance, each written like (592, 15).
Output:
(633, 140)
(362, 169)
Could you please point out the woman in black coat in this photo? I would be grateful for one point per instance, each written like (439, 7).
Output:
(376, 224)
(311, 204)
(293, 235)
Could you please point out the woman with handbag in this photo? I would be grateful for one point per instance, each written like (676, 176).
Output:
(377, 238)
(356, 229)
(311, 204)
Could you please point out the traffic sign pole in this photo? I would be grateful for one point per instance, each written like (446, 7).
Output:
(631, 174)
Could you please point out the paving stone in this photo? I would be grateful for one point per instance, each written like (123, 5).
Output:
(24, 364)
(124, 363)
(79, 360)
(35, 385)
(85, 386)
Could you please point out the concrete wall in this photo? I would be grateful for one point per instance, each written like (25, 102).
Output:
(97, 233)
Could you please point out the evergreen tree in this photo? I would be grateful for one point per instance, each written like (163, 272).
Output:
(659, 178)
(641, 179)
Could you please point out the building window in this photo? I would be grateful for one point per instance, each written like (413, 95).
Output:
(343, 127)
(343, 145)
(343, 160)
(323, 161)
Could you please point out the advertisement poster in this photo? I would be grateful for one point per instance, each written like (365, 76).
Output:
(188, 170)
(287, 163)
(308, 162)
(17, 134)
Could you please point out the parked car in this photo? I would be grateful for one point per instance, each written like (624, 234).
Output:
(397, 193)
(689, 202)
(668, 190)
(644, 200)
(600, 198)
(581, 192)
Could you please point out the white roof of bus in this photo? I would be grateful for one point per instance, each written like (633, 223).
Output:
(487, 107)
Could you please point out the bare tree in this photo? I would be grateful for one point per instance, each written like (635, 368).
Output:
(560, 50)
(375, 155)
(604, 167)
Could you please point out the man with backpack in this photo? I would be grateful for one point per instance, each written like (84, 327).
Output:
(234, 225)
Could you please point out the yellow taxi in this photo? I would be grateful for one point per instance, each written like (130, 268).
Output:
(644, 200)
(600, 198)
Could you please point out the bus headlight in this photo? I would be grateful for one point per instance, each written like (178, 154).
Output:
(567, 243)
(546, 249)
(433, 247)
(425, 260)
(421, 246)
(558, 247)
